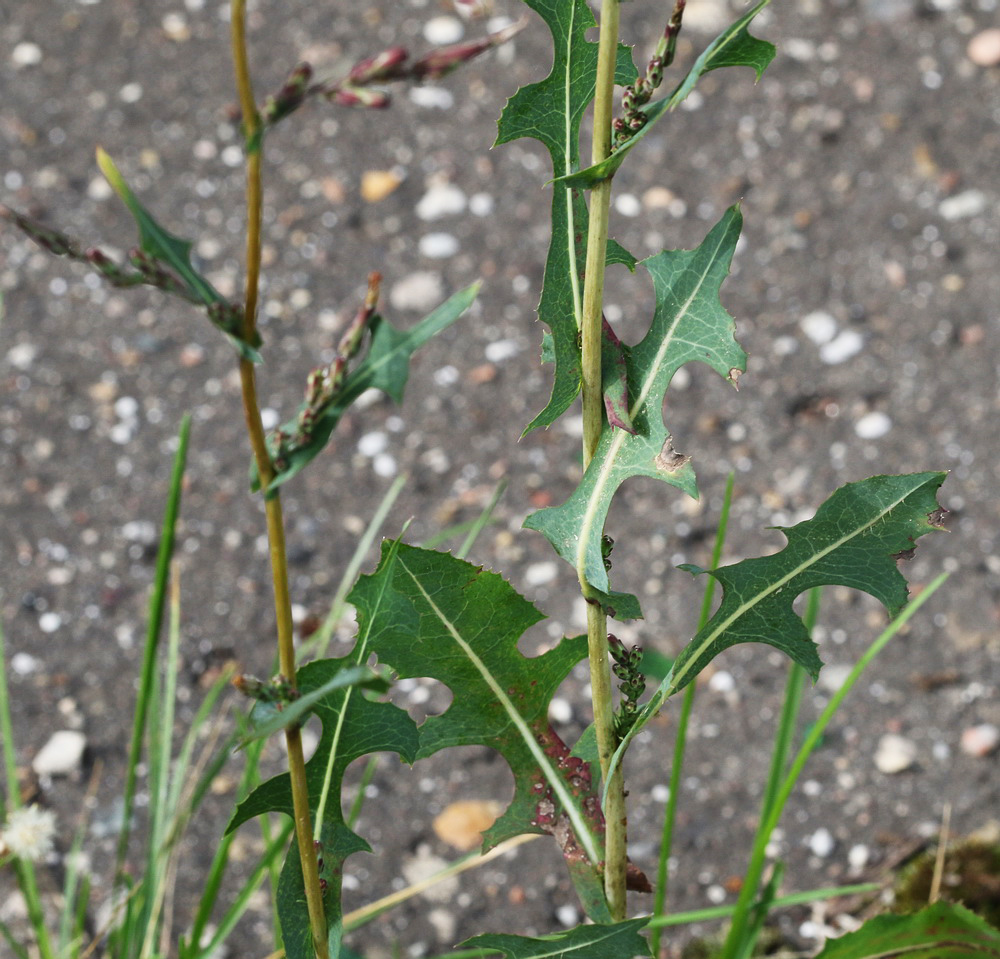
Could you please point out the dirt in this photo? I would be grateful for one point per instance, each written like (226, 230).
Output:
(865, 163)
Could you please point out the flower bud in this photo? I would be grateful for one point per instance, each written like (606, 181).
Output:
(349, 96)
(382, 66)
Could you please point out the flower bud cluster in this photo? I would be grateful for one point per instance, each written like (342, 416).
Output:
(636, 96)
(289, 98)
(275, 692)
(324, 383)
(631, 682)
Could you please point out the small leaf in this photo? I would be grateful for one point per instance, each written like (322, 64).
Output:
(164, 246)
(689, 324)
(385, 367)
(620, 940)
(551, 111)
(941, 931)
(734, 47)
(614, 379)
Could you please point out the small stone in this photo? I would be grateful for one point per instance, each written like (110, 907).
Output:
(438, 246)
(131, 93)
(873, 425)
(981, 740)
(560, 710)
(538, 574)
(425, 864)
(627, 204)
(443, 30)
(501, 350)
(378, 184)
(984, 48)
(371, 444)
(722, 682)
(420, 291)
(842, 347)
(963, 205)
(26, 55)
(444, 923)
(822, 843)
(24, 664)
(175, 27)
(481, 204)
(22, 356)
(462, 823)
(820, 327)
(895, 754)
(442, 199)
(434, 98)
(49, 622)
(833, 676)
(857, 857)
(61, 755)
(567, 915)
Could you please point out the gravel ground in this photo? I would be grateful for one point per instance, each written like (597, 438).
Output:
(866, 293)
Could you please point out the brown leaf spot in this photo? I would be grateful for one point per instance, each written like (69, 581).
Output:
(669, 460)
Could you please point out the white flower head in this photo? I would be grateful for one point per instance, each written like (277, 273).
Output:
(28, 832)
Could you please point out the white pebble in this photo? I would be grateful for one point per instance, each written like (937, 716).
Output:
(895, 754)
(121, 433)
(984, 48)
(438, 246)
(22, 356)
(857, 857)
(24, 664)
(443, 30)
(981, 740)
(99, 189)
(434, 98)
(716, 894)
(820, 327)
(384, 465)
(445, 923)
(130, 93)
(963, 205)
(232, 156)
(269, 418)
(501, 350)
(139, 531)
(26, 55)
(822, 843)
(421, 291)
(567, 915)
(126, 407)
(660, 793)
(842, 347)
(560, 710)
(873, 425)
(628, 205)
(722, 682)
(833, 676)
(446, 376)
(481, 204)
(371, 444)
(49, 622)
(442, 199)
(537, 574)
(61, 755)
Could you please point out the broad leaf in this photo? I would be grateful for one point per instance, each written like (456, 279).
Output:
(440, 617)
(855, 539)
(353, 726)
(170, 250)
(689, 323)
(734, 47)
(941, 931)
(386, 367)
(551, 111)
(620, 940)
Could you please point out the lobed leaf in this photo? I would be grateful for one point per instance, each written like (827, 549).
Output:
(941, 931)
(689, 324)
(620, 940)
(440, 617)
(551, 111)
(386, 367)
(162, 245)
(734, 47)
(855, 539)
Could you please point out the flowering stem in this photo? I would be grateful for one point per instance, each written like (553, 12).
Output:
(593, 423)
(265, 469)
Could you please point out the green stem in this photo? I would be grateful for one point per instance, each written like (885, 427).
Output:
(593, 423)
(755, 869)
(265, 469)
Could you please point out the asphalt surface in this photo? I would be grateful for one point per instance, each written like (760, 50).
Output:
(865, 292)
